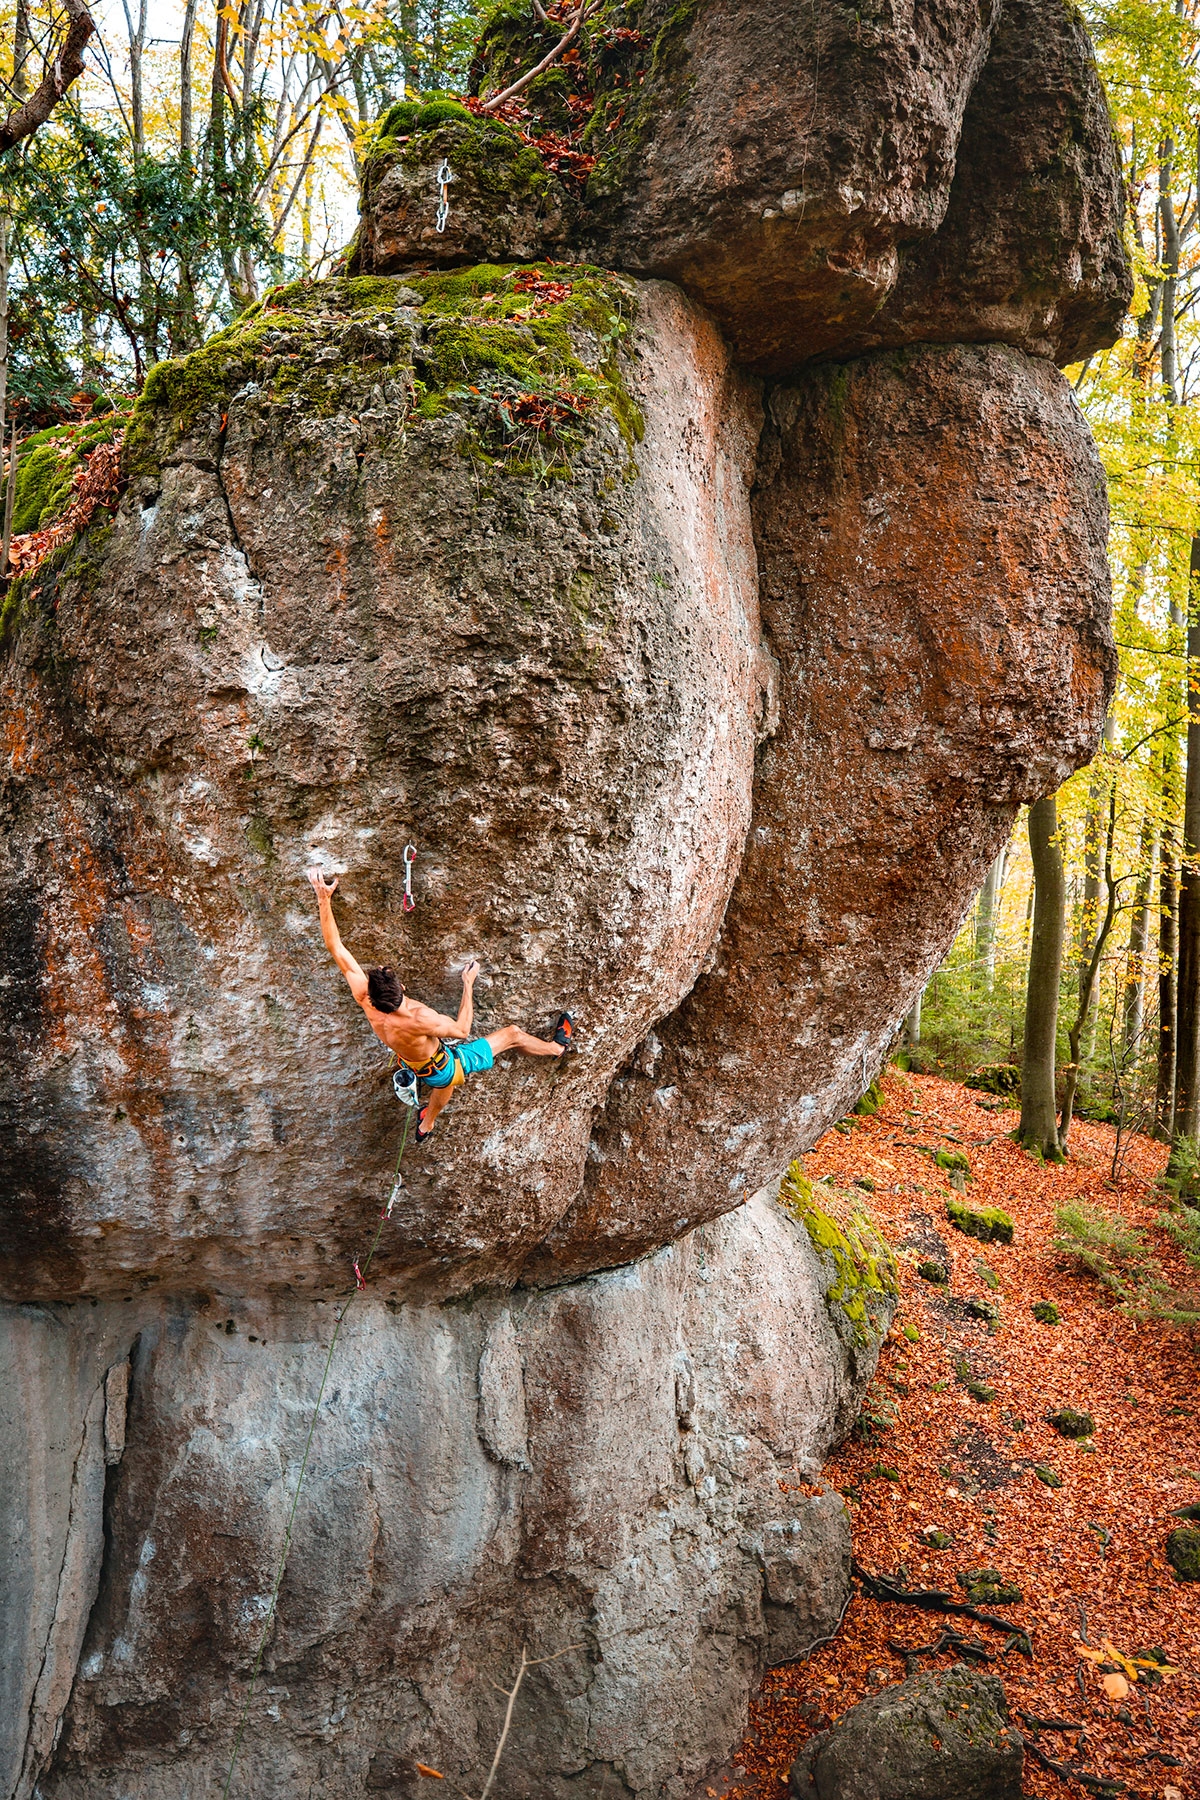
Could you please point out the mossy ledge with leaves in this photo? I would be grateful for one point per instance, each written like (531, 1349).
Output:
(474, 344)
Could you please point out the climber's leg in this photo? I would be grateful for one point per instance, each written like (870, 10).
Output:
(442, 1086)
(428, 1115)
(511, 1037)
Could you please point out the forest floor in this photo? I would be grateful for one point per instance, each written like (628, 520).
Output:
(1088, 1556)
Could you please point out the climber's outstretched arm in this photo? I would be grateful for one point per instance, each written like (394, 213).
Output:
(333, 941)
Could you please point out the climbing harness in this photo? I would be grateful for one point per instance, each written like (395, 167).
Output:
(361, 1271)
(410, 857)
(444, 177)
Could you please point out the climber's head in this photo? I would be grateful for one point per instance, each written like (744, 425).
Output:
(384, 990)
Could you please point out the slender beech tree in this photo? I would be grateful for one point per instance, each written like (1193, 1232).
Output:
(1038, 1128)
(985, 924)
(1168, 946)
(1187, 1066)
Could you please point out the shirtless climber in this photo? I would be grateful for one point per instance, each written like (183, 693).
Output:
(414, 1033)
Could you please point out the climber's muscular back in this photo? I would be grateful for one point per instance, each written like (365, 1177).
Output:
(413, 1032)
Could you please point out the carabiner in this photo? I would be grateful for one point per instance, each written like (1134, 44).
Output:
(410, 857)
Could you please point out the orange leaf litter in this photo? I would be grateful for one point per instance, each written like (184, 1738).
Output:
(966, 1467)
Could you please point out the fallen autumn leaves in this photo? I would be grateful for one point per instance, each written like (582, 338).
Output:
(1088, 1555)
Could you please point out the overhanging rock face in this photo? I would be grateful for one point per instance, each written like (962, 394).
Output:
(703, 617)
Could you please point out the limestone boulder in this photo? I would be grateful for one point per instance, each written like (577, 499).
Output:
(618, 1475)
(357, 596)
(828, 180)
(943, 1735)
(931, 534)
(1030, 251)
(502, 204)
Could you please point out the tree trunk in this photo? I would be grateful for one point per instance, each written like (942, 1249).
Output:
(1139, 942)
(985, 923)
(1187, 1067)
(1093, 880)
(137, 46)
(1038, 1129)
(1168, 949)
(1170, 257)
(21, 48)
(1089, 985)
(187, 129)
(912, 1022)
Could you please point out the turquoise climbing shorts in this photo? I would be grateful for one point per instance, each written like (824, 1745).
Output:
(473, 1057)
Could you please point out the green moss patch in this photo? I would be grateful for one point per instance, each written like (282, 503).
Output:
(523, 356)
(870, 1102)
(1045, 1312)
(990, 1224)
(865, 1282)
(1183, 1553)
(47, 463)
(996, 1078)
(978, 1390)
(988, 1587)
(1071, 1424)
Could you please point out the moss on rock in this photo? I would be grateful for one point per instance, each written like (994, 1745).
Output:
(47, 463)
(1071, 1424)
(990, 1224)
(468, 342)
(864, 1283)
(1183, 1552)
(988, 1587)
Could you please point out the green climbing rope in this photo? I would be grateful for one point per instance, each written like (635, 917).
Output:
(360, 1282)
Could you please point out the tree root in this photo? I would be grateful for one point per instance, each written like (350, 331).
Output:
(889, 1588)
(949, 1640)
(1095, 1784)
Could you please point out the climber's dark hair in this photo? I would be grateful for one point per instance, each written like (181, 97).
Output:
(384, 990)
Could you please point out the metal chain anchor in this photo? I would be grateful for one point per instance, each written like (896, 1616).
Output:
(444, 177)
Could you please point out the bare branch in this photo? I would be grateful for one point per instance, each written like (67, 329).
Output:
(583, 12)
(65, 67)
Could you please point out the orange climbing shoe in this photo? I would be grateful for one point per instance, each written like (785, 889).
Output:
(564, 1032)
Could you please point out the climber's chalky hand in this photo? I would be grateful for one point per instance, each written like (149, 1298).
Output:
(469, 973)
(320, 884)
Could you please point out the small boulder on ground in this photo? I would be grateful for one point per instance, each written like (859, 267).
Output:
(1183, 1552)
(988, 1587)
(1071, 1424)
(942, 1735)
(990, 1224)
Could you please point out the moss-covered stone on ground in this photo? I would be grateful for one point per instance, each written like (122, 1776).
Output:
(1183, 1552)
(990, 1224)
(1071, 1424)
(1045, 1312)
(988, 1587)
(996, 1078)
